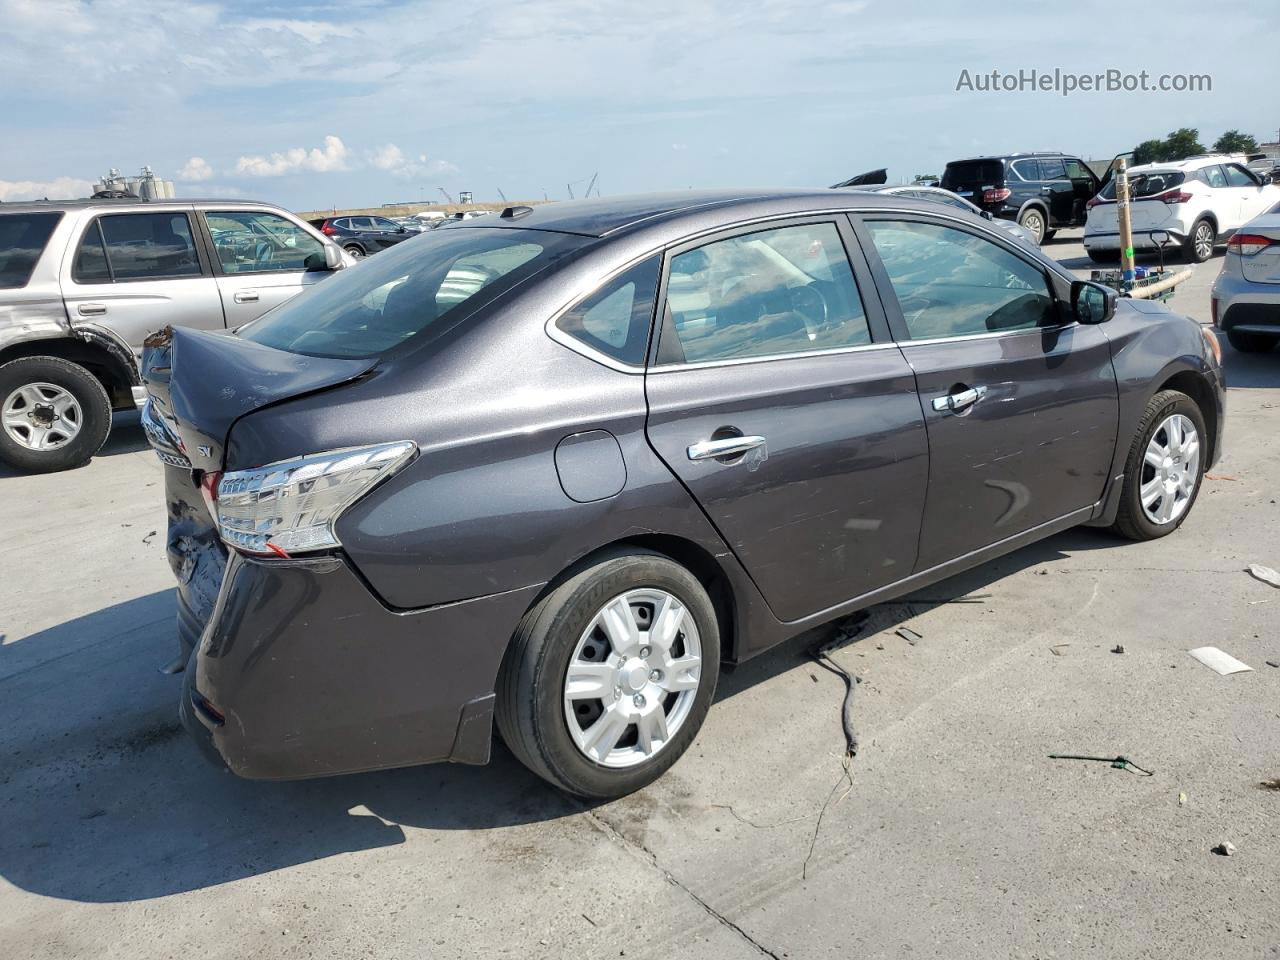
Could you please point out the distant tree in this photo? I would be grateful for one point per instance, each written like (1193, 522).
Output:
(1233, 141)
(1148, 151)
(1182, 143)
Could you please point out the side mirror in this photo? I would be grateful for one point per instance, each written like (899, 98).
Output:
(1092, 303)
(332, 257)
(402, 229)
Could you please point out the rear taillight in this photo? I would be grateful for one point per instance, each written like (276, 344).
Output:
(995, 194)
(291, 506)
(328, 229)
(1173, 196)
(1248, 244)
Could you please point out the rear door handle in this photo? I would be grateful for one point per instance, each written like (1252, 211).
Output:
(728, 447)
(91, 309)
(962, 400)
(245, 296)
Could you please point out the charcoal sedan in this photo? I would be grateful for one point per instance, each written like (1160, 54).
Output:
(554, 468)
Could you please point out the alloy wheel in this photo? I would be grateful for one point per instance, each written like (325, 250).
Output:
(1034, 224)
(41, 416)
(1204, 241)
(633, 677)
(1170, 469)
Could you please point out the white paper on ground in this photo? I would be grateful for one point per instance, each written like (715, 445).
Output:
(1265, 574)
(1219, 661)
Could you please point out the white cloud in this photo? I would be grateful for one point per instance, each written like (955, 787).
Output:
(62, 188)
(332, 157)
(195, 170)
(392, 159)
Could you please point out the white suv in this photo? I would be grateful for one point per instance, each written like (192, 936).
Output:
(1199, 202)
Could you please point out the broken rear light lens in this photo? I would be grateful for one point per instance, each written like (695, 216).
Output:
(291, 506)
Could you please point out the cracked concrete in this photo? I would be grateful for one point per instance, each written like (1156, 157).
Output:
(960, 838)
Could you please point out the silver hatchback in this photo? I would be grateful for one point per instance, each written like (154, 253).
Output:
(83, 283)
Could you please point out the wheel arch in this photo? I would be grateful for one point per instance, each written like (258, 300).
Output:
(1198, 388)
(110, 362)
(690, 555)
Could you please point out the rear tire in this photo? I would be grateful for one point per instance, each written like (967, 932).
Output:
(1101, 256)
(1134, 520)
(1034, 221)
(54, 414)
(355, 251)
(548, 724)
(1247, 342)
(1198, 247)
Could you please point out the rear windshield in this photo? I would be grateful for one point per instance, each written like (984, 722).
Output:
(22, 239)
(973, 173)
(1145, 184)
(420, 285)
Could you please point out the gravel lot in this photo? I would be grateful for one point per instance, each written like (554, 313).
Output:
(958, 838)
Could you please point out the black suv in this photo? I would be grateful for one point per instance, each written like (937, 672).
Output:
(361, 236)
(1040, 191)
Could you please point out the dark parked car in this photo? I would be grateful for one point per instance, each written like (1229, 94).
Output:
(361, 236)
(554, 467)
(1041, 192)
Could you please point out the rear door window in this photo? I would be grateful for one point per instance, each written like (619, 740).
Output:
(952, 283)
(1051, 168)
(1026, 169)
(615, 320)
(788, 290)
(137, 246)
(23, 237)
(1214, 176)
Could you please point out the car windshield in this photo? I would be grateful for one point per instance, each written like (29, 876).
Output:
(1145, 184)
(412, 289)
(22, 239)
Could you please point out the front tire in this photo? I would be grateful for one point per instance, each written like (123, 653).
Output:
(610, 675)
(1165, 466)
(1247, 342)
(1034, 221)
(1198, 247)
(54, 414)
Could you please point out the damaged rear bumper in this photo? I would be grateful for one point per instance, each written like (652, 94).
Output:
(303, 672)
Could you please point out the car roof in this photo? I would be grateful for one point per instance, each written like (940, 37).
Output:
(1190, 163)
(47, 206)
(612, 215)
(1014, 156)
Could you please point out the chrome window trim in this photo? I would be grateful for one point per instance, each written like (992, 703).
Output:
(769, 358)
(584, 350)
(989, 335)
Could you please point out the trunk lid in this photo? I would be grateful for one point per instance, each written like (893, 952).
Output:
(1264, 266)
(199, 384)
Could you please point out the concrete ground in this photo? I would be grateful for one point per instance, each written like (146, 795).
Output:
(958, 837)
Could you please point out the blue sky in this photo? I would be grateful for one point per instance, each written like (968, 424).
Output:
(369, 101)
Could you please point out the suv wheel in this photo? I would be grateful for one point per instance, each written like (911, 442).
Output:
(355, 251)
(53, 414)
(1032, 220)
(1102, 256)
(609, 676)
(1247, 342)
(1198, 247)
(1163, 471)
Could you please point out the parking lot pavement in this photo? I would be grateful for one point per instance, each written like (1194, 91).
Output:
(957, 838)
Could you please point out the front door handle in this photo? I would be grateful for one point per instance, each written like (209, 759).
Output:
(723, 449)
(91, 309)
(245, 296)
(961, 400)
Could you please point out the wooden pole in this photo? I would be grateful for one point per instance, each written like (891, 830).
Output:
(1126, 224)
